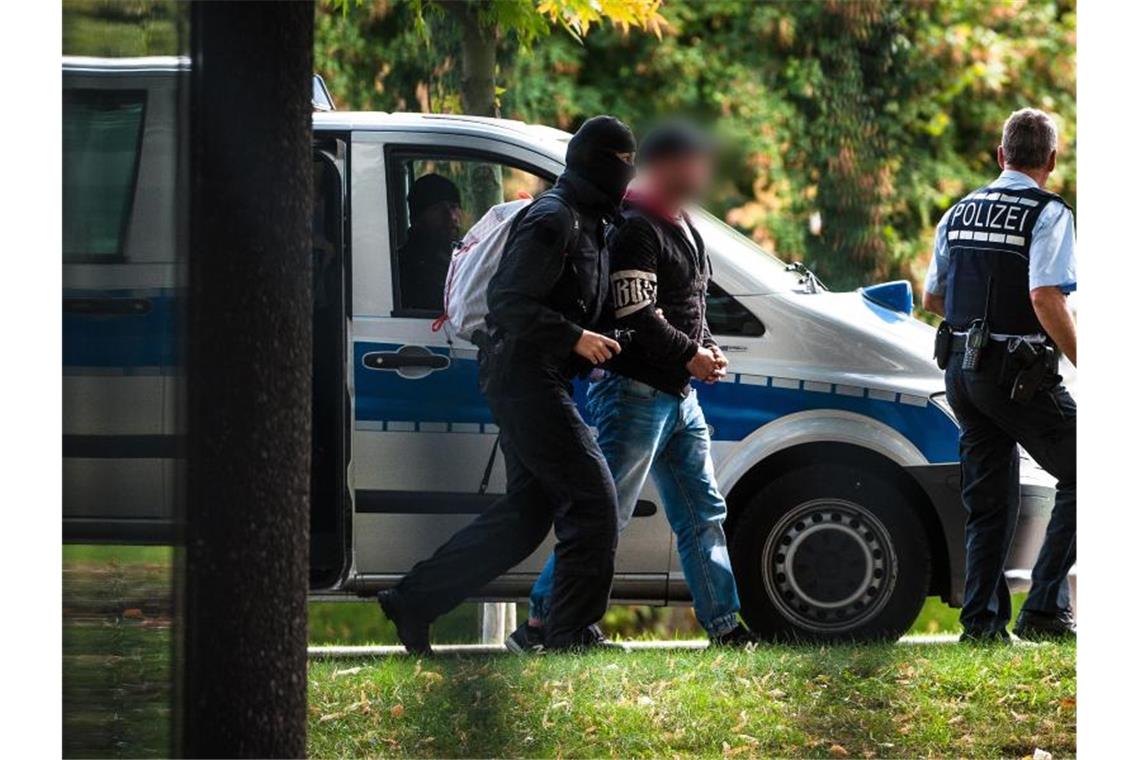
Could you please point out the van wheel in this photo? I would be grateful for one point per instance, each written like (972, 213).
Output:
(830, 553)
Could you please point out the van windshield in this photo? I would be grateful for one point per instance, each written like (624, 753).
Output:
(745, 254)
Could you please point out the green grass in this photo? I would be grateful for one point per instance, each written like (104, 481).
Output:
(117, 651)
(866, 701)
(884, 701)
(360, 622)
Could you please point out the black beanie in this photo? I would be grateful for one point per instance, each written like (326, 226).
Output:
(429, 190)
(592, 155)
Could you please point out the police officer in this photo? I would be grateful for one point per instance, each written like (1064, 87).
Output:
(1003, 264)
(546, 300)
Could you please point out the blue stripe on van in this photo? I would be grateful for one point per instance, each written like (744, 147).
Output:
(449, 395)
(733, 409)
(100, 331)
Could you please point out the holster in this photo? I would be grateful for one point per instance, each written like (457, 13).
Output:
(942, 343)
(1028, 367)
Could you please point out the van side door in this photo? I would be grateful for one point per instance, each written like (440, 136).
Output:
(423, 436)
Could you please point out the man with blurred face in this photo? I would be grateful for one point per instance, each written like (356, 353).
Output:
(435, 214)
(645, 408)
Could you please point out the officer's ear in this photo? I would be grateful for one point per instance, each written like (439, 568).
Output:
(1051, 164)
(1001, 157)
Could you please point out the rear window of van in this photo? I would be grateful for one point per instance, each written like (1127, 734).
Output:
(102, 135)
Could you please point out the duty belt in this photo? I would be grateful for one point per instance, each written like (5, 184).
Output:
(958, 341)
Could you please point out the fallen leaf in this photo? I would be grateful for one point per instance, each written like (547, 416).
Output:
(397, 711)
(1040, 754)
(837, 750)
(430, 676)
(134, 613)
(1068, 703)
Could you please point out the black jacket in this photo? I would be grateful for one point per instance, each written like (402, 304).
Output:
(552, 280)
(654, 266)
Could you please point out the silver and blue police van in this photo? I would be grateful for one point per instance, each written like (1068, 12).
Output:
(832, 438)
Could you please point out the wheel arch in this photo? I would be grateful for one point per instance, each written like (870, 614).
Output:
(801, 453)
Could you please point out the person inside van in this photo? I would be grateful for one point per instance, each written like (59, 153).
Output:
(645, 408)
(546, 301)
(434, 211)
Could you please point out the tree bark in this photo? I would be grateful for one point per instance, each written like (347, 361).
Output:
(248, 389)
(477, 90)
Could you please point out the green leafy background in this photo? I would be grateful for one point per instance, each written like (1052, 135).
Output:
(873, 115)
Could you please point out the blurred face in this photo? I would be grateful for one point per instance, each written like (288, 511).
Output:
(444, 217)
(680, 180)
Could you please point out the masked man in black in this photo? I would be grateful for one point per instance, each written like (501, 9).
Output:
(546, 299)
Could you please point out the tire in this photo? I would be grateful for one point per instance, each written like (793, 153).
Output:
(829, 552)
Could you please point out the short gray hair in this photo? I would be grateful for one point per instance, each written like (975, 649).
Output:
(1027, 139)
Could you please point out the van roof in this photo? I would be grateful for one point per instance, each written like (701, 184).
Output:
(431, 122)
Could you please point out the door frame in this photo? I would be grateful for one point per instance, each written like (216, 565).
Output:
(332, 148)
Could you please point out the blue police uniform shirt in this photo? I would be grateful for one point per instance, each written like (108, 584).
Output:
(1052, 253)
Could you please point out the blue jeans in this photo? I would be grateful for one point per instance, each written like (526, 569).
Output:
(643, 431)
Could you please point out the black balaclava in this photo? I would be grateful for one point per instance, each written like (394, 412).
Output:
(592, 155)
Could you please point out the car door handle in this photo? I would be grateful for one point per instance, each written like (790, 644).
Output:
(107, 306)
(410, 362)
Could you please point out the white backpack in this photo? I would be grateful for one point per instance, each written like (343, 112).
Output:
(474, 263)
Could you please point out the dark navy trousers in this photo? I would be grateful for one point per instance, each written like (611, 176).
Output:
(992, 427)
(556, 476)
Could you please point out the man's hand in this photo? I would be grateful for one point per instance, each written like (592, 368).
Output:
(596, 348)
(704, 366)
(721, 371)
(1053, 313)
(721, 359)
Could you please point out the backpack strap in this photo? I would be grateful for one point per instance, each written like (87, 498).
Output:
(577, 235)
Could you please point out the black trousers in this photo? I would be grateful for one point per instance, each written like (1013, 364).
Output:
(992, 426)
(556, 475)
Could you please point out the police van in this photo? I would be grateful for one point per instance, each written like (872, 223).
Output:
(833, 441)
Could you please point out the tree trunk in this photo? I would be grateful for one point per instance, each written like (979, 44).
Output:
(249, 358)
(477, 91)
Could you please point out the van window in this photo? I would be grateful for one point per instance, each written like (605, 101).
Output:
(434, 200)
(101, 139)
(726, 316)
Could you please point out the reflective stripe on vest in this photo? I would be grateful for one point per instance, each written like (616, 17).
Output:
(989, 235)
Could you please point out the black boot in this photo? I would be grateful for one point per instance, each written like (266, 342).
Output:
(414, 633)
(984, 636)
(527, 639)
(1045, 626)
(588, 639)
